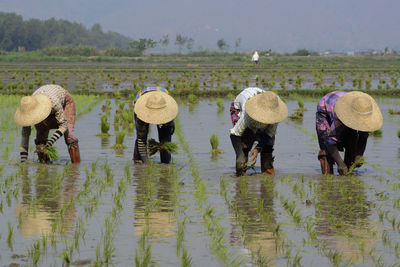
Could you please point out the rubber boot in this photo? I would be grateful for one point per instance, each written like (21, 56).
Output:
(74, 153)
(326, 166)
(267, 166)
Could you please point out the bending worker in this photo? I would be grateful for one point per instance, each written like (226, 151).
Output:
(343, 121)
(255, 115)
(154, 106)
(49, 107)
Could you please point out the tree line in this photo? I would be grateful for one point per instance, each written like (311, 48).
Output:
(34, 34)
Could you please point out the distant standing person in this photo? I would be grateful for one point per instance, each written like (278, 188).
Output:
(255, 58)
(343, 122)
(255, 115)
(49, 107)
(153, 105)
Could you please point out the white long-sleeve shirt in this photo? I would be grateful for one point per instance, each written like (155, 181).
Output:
(245, 121)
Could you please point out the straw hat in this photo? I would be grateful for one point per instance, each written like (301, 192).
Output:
(32, 110)
(266, 108)
(156, 107)
(359, 111)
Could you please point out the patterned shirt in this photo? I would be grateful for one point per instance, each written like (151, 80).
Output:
(329, 128)
(57, 98)
(245, 121)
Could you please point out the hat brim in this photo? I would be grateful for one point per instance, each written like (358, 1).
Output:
(366, 123)
(266, 115)
(156, 116)
(36, 115)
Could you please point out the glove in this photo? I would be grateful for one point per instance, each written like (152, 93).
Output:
(334, 152)
(236, 143)
(253, 156)
(358, 157)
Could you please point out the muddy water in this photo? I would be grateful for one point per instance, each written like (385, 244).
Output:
(297, 216)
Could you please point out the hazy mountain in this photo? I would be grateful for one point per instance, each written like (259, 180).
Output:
(284, 25)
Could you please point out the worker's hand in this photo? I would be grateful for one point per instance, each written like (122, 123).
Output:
(334, 152)
(40, 148)
(253, 156)
(342, 168)
(358, 157)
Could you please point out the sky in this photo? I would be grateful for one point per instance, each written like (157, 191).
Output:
(280, 25)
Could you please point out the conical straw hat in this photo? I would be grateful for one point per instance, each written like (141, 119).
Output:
(156, 107)
(266, 108)
(32, 110)
(359, 111)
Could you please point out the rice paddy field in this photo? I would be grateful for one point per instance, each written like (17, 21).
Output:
(196, 212)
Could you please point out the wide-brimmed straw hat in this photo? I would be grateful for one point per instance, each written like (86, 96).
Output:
(266, 108)
(359, 111)
(32, 110)
(156, 107)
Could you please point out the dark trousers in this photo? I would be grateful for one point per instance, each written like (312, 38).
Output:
(245, 145)
(165, 132)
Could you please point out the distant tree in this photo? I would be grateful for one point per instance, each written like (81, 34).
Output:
(97, 28)
(189, 44)
(237, 43)
(301, 52)
(180, 41)
(164, 42)
(34, 34)
(222, 45)
(142, 45)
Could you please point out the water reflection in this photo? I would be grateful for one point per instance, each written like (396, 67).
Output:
(254, 213)
(155, 200)
(43, 195)
(343, 212)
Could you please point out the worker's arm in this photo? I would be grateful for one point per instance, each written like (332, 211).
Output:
(334, 153)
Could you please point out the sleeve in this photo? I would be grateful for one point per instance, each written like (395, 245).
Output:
(326, 131)
(62, 124)
(241, 125)
(26, 132)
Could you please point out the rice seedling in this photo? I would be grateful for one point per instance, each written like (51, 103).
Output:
(393, 112)
(46, 154)
(220, 104)
(214, 144)
(104, 126)
(359, 162)
(398, 133)
(119, 140)
(376, 133)
(10, 236)
(192, 99)
(155, 146)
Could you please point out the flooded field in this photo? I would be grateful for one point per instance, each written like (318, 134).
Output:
(196, 212)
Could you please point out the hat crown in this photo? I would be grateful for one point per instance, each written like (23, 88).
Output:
(362, 105)
(156, 102)
(269, 100)
(28, 103)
